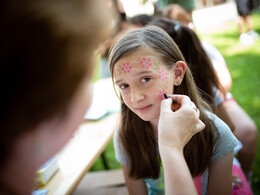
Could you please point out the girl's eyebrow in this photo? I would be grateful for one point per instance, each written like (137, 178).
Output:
(118, 81)
(137, 74)
(143, 72)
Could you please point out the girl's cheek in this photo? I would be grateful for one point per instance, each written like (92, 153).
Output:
(164, 86)
(160, 90)
(126, 98)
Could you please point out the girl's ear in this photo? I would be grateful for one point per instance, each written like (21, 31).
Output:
(179, 70)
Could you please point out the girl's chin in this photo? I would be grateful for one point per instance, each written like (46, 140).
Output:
(148, 118)
(144, 119)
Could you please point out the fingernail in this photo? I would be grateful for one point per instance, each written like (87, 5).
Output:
(174, 101)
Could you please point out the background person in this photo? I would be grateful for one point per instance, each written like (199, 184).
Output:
(188, 5)
(244, 8)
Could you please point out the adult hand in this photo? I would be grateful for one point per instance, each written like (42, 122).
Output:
(177, 127)
(175, 130)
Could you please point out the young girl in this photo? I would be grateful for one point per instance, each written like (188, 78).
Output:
(146, 63)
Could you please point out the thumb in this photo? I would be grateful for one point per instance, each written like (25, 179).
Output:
(166, 105)
(199, 126)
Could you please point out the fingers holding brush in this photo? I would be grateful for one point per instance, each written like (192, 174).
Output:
(177, 127)
(178, 100)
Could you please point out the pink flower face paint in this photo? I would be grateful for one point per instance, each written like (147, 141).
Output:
(161, 93)
(142, 80)
(162, 74)
(125, 68)
(149, 64)
(146, 63)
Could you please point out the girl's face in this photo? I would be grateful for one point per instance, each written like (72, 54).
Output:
(142, 79)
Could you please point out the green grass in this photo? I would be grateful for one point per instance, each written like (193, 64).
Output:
(244, 65)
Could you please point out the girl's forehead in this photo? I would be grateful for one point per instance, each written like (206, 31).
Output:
(137, 64)
(139, 54)
(139, 57)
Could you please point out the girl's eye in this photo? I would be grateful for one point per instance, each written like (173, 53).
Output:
(145, 80)
(123, 87)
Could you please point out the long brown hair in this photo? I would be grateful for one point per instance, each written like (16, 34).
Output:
(134, 133)
(195, 56)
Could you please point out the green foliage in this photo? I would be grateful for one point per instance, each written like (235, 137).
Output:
(110, 158)
(144, 1)
(96, 73)
(244, 65)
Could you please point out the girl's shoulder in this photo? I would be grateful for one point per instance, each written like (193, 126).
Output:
(221, 125)
(225, 141)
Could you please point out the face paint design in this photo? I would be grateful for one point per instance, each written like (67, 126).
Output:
(161, 93)
(146, 62)
(125, 68)
(162, 74)
(142, 81)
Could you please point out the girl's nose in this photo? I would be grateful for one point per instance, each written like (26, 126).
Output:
(136, 95)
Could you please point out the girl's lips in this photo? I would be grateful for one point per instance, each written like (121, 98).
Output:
(143, 109)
